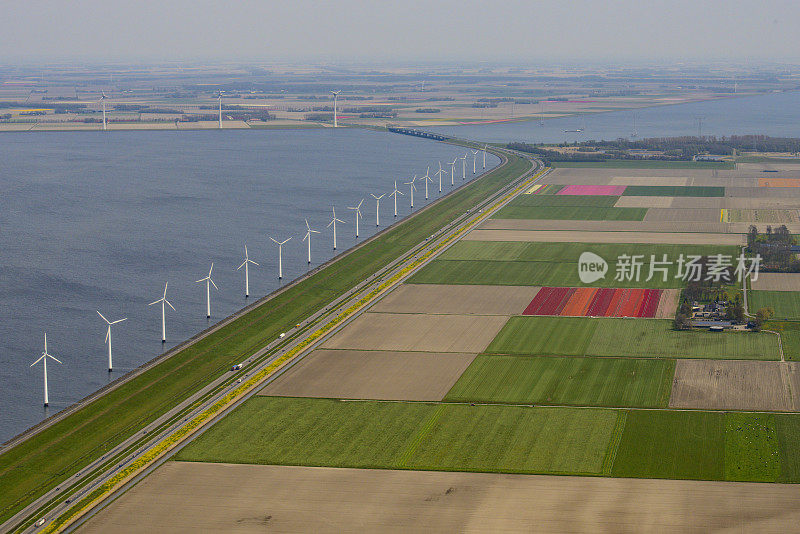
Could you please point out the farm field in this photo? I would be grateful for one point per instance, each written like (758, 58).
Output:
(456, 299)
(557, 236)
(790, 337)
(571, 213)
(776, 282)
(652, 338)
(775, 216)
(785, 303)
(557, 200)
(734, 385)
(350, 374)
(402, 435)
(183, 493)
(641, 164)
(673, 191)
(682, 215)
(596, 302)
(620, 226)
(618, 382)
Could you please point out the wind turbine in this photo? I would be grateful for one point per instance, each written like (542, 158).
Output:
(413, 187)
(309, 231)
(163, 300)
(244, 264)
(108, 337)
(280, 255)
(394, 194)
(103, 100)
(439, 174)
(333, 223)
(43, 359)
(474, 157)
(209, 282)
(453, 171)
(335, 112)
(427, 179)
(378, 208)
(219, 96)
(484, 155)
(358, 214)
(464, 166)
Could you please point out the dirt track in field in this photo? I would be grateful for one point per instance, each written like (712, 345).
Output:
(457, 299)
(733, 385)
(200, 497)
(555, 236)
(350, 374)
(777, 282)
(418, 332)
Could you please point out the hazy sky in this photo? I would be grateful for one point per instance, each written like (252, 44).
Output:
(398, 31)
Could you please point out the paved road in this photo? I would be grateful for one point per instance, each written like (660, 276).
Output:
(59, 499)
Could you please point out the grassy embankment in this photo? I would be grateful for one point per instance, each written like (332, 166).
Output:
(57, 452)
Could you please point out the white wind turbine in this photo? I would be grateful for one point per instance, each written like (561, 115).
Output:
(474, 157)
(333, 223)
(219, 96)
(378, 208)
(484, 155)
(357, 209)
(394, 194)
(163, 300)
(209, 282)
(309, 231)
(439, 174)
(464, 166)
(245, 264)
(280, 255)
(103, 100)
(453, 171)
(427, 179)
(108, 336)
(43, 359)
(335, 111)
(413, 187)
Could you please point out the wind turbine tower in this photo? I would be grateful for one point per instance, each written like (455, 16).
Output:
(309, 231)
(43, 359)
(484, 156)
(103, 100)
(394, 194)
(357, 209)
(474, 157)
(378, 207)
(439, 174)
(427, 179)
(453, 171)
(413, 187)
(280, 255)
(219, 96)
(108, 337)
(333, 223)
(464, 166)
(335, 110)
(245, 264)
(209, 282)
(163, 300)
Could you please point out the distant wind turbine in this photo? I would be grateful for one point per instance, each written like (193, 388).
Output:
(209, 282)
(439, 174)
(309, 231)
(333, 222)
(474, 157)
(108, 337)
(219, 96)
(103, 100)
(378, 208)
(245, 264)
(357, 209)
(163, 300)
(280, 255)
(453, 171)
(335, 111)
(427, 179)
(464, 166)
(484, 155)
(413, 187)
(394, 194)
(43, 359)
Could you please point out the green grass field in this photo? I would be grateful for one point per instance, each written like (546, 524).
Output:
(403, 435)
(53, 455)
(539, 200)
(619, 382)
(788, 430)
(751, 447)
(673, 191)
(583, 213)
(639, 338)
(641, 164)
(790, 337)
(785, 303)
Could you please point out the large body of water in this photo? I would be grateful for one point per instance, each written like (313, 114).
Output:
(100, 221)
(775, 114)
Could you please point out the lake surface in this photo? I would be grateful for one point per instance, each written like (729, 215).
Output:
(100, 221)
(774, 114)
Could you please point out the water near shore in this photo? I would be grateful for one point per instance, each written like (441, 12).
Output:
(775, 114)
(92, 221)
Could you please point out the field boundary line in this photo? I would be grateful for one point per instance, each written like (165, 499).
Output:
(421, 434)
(613, 444)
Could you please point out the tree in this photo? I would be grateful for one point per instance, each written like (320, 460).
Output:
(763, 315)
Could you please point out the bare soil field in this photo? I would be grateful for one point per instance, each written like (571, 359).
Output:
(761, 203)
(786, 168)
(418, 332)
(716, 203)
(776, 216)
(614, 226)
(763, 192)
(777, 282)
(643, 202)
(731, 385)
(200, 497)
(350, 374)
(668, 305)
(681, 215)
(781, 181)
(650, 180)
(555, 236)
(457, 299)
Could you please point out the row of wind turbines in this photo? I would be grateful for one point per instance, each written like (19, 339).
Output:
(209, 282)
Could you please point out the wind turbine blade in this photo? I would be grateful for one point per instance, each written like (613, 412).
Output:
(169, 304)
(307, 226)
(212, 283)
(155, 302)
(56, 359)
(254, 263)
(108, 333)
(211, 269)
(165, 289)
(120, 320)
(202, 279)
(274, 240)
(287, 240)
(101, 315)
(38, 360)
(242, 265)
(314, 231)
